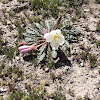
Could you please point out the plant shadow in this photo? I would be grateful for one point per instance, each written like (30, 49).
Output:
(28, 58)
(61, 63)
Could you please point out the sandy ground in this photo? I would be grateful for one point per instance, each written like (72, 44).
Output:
(77, 80)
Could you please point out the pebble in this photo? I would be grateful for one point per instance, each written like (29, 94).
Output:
(71, 81)
(17, 58)
(96, 91)
(47, 69)
(8, 23)
(82, 64)
(18, 4)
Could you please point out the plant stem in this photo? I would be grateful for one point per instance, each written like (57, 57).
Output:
(40, 44)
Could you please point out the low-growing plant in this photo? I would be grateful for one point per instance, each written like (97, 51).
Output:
(36, 93)
(11, 14)
(71, 92)
(4, 22)
(2, 43)
(4, 1)
(1, 32)
(74, 19)
(78, 13)
(10, 27)
(1, 97)
(11, 87)
(59, 76)
(4, 10)
(79, 98)
(14, 73)
(45, 4)
(9, 52)
(82, 46)
(23, 21)
(97, 43)
(86, 97)
(26, 98)
(98, 26)
(3, 83)
(77, 57)
(36, 19)
(86, 28)
(75, 3)
(95, 16)
(91, 11)
(20, 29)
(84, 55)
(30, 19)
(1, 67)
(53, 76)
(18, 95)
(59, 96)
(92, 60)
(21, 1)
(49, 41)
(98, 1)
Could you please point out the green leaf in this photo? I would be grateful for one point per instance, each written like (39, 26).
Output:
(34, 31)
(30, 32)
(47, 25)
(71, 37)
(41, 49)
(54, 54)
(67, 44)
(64, 26)
(65, 47)
(39, 27)
(27, 35)
(41, 57)
(53, 24)
(29, 39)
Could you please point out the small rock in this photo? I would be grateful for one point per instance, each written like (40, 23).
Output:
(82, 64)
(8, 23)
(47, 70)
(17, 58)
(46, 83)
(71, 81)
(14, 26)
(18, 4)
(96, 91)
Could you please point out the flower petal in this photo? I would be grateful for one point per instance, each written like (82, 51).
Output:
(25, 51)
(48, 37)
(61, 40)
(23, 47)
(58, 31)
(54, 44)
(53, 32)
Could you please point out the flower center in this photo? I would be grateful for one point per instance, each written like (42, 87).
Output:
(55, 36)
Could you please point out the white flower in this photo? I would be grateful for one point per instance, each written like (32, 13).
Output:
(55, 38)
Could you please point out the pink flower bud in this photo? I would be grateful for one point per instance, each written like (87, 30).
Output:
(32, 47)
(25, 51)
(24, 47)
